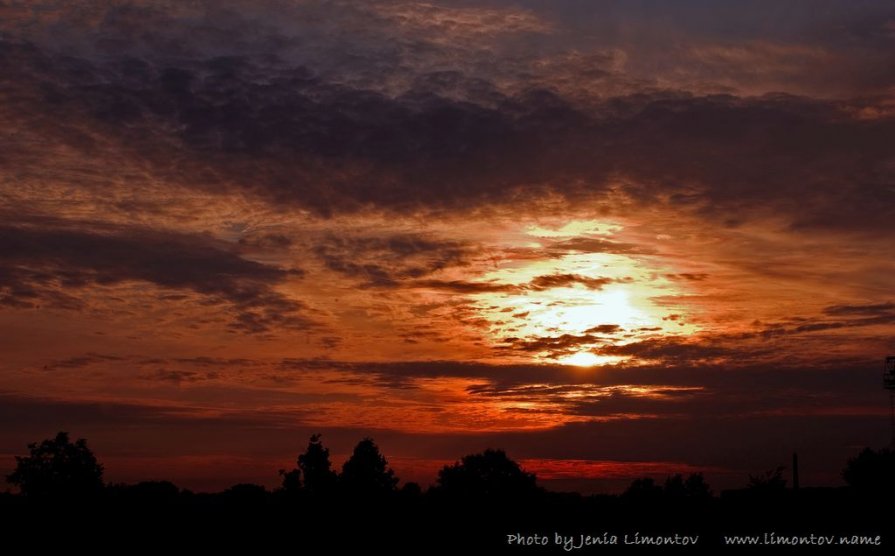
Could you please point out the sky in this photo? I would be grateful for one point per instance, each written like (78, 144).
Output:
(615, 239)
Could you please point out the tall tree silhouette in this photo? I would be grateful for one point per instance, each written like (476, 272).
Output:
(319, 478)
(366, 472)
(490, 473)
(58, 467)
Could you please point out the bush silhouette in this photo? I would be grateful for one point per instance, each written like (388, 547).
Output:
(366, 472)
(489, 474)
(871, 471)
(57, 467)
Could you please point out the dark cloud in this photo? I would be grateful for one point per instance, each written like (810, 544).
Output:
(565, 280)
(268, 125)
(80, 361)
(402, 259)
(886, 318)
(40, 412)
(266, 241)
(205, 361)
(178, 376)
(387, 260)
(555, 346)
(504, 375)
(688, 276)
(855, 316)
(465, 287)
(404, 371)
(40, 263)
(669, 348)
(621, 401)
(875, 309)
(697, 389)
(604, 329)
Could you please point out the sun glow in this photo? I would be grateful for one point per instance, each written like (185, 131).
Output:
(594, 309)
(584, 359)
(568, 297)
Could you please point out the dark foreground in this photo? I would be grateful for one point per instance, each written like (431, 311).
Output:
(157, 518)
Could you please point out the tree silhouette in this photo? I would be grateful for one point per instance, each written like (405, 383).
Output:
(316, 467)
(697, 487)
(58, 467)
(871, 471)
(291, 480)
(490, 473)
(643, 489)
(694, 487)
(366, 472)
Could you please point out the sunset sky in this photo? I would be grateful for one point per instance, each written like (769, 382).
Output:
(613, 238)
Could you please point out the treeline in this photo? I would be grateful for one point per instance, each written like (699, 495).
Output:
(58, 467)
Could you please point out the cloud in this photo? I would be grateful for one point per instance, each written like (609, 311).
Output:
(874, 309)
(266, 241)
(465, 287)
(856, 316)
(688, 276)
(566, 280)
(80, 361)
(672, 348)
(178, 376)
(400, 372)
(697, 388)
(41, 412)
(604, 329)
(40, 264)
(554, 345)
(384, 261)
(467, 23)
(268, 123)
